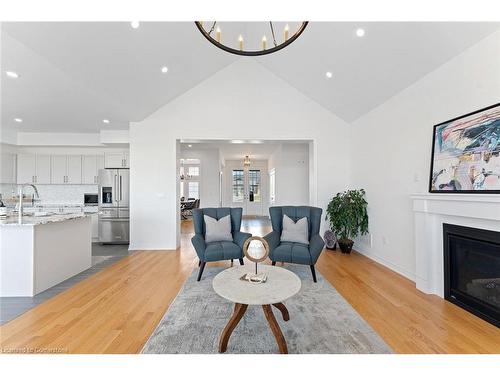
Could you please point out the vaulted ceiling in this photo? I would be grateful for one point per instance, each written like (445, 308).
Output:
(74, 75)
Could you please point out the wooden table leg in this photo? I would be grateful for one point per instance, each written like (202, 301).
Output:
(281, 307)
(278, 335)
(239, 311)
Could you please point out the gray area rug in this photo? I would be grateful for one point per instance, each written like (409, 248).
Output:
(321, 321)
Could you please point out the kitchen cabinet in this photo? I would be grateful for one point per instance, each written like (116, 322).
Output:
(117, 160)
(74, 169)
(59, 167)
(90, 168)
(33, 169)
(42, 175)
(66, 169)
(8, 168)
(26, 168)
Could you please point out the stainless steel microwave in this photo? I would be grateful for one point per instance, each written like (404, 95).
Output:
(90, 199)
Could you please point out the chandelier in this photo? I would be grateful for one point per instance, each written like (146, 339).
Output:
(246, 161)
(238, 41)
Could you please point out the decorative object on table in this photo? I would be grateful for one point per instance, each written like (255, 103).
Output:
(256, 257)
(330, 240)
(220, 250)
(226, 37)
(466, 153)
(348, 217)
(295, 252)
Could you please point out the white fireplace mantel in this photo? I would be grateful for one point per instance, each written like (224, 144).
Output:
(430, 212)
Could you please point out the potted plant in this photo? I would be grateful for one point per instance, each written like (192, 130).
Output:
(348, 217)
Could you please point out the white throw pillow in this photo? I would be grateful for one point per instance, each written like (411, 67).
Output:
(295, 231)
(218, 230)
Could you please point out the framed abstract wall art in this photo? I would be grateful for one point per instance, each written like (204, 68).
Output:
(466, 153)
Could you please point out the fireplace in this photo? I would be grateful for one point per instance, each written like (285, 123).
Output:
(472, 270)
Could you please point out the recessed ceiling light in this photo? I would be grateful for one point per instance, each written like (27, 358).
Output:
(106, 121)
(360, 32)
(164, 69)
(17, 119)
(329, 74)
(190, 145)
(135, 24)
(11, 74)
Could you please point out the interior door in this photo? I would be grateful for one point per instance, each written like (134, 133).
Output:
(247, 190)
(254, 194)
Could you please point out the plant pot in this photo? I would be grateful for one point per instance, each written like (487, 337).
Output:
(346, 245)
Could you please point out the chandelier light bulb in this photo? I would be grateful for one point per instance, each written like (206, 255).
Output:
(264, 42)
(287, 29)
(217, 33)
(135, 24)
(240, 40)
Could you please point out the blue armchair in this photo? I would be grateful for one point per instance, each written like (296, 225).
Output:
(220, 250)
(293, 252)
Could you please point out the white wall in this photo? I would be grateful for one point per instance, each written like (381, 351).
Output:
(242, 101)
(291, 163)
(391, 146)
(209, 175)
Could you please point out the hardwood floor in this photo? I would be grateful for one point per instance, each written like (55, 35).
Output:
(117, 309)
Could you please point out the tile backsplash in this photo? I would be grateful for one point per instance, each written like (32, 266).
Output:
(54, 194)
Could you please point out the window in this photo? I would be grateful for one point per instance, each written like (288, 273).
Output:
(238, 185)
(272, 186)
(193, 190)
(194, 171)
(254, 184)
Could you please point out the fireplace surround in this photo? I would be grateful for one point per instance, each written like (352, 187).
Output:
(472, 270)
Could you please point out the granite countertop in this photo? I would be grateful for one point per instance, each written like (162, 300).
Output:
(39, 220)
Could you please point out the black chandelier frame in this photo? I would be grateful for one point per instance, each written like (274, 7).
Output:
(277, 47)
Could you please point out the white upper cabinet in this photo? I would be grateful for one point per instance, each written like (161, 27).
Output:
(26, 168)
(90, 168)
(117, 159)
(8, 168)
(74, 171)
(59, 166)
(66, 169)
(42, 169)
(57, 169)
(126, 160)
(33, 169)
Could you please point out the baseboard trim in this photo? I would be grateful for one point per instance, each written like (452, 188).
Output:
(403, 272)
(148, 249)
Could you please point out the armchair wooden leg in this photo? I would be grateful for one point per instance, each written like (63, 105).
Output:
(313, 271)
(241, 261)
(202, 267)
(199, 263)
(232, 261)
(273, 263)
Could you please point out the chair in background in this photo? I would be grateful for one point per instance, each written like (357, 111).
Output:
(219, 250)
(186, 208)
(293, 252)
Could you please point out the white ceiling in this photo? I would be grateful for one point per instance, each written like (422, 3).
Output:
(73, 75)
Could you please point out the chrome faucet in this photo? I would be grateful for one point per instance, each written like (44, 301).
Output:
(20, 191)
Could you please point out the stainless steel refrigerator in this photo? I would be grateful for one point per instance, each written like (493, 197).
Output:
(114, 219)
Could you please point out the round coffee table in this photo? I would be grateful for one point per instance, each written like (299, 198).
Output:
(280, 285)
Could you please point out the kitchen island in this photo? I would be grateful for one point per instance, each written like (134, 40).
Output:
(42, 251)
